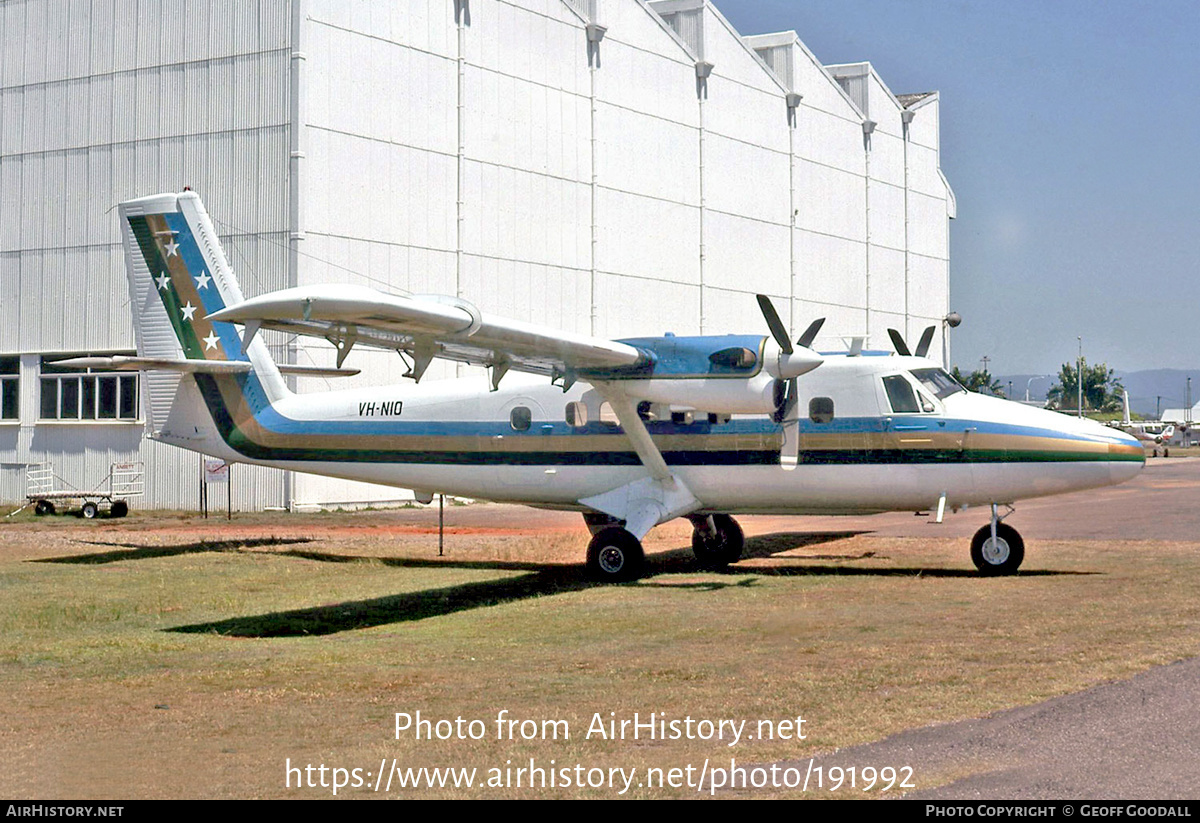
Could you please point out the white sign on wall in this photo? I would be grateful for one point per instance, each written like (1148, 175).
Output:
(216, 471)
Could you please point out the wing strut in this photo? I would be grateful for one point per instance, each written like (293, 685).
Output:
(648, 501)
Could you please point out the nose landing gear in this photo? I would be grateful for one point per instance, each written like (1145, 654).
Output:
(997, 548)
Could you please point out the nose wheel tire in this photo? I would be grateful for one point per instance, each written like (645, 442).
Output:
(615, 556)
(718, 550)
(1000, 557)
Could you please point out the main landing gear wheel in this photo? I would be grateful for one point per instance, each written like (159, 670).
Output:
(43, 507)
(615, 556)
(718, 550)
(89, 510)
(1000, 557)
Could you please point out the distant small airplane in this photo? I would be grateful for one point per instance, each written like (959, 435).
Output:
(1150, 432)
(631, 433)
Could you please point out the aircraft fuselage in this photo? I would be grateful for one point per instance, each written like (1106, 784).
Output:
(530, 442)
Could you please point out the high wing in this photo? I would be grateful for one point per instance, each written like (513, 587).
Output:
(429, 326)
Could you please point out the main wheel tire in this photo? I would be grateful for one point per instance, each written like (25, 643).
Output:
(119, 509)
(89, 510)
(43, 507)
(597, 521)
(723, 548)
(999, 558)
(615, 556)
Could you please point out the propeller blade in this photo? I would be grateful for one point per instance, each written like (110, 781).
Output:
(926, 339)
(789, 454)
(810, 334)
(792, 401)
(775, 324)
(898, 342)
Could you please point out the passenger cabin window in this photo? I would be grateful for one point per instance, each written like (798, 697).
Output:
(607, 416)
(577, 414)
(900, 394)
(820, 409)
(520, 418)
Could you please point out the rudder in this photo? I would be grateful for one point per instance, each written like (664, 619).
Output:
(178, 276)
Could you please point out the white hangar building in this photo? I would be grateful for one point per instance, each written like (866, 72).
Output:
(618, 167)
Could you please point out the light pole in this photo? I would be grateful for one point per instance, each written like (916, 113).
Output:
(950, 321)
(1079, 374)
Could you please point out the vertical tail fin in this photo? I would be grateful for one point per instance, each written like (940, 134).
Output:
(178, 275)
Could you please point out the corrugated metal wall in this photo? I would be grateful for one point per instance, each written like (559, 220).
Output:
(618, 188)
(103, 100)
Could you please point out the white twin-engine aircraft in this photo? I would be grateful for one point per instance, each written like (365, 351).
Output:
(631, 433)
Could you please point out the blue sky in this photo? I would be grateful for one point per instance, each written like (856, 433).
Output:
(1070, 134)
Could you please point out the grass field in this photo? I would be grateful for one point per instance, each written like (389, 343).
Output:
(159, 656)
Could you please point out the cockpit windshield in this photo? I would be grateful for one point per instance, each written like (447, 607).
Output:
(938, 382)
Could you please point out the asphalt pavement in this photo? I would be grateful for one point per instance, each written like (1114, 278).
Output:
(1136, 739)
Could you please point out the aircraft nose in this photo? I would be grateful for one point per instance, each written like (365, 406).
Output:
(1135, 458)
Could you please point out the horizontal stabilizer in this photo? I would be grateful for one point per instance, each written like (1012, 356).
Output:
(126, 363)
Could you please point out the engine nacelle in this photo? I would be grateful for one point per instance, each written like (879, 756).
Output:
(719, 395)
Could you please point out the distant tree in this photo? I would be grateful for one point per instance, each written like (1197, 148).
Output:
(979, 381)
(1101, 389)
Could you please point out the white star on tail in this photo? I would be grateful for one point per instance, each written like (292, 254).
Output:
(172, 248)
(164, 280)
(211, 341)
(188, 311)
(202, 280)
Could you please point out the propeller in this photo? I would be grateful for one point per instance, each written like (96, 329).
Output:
(926, 339)
(792, 362)
(922, 344)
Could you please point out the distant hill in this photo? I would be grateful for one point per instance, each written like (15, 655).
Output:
(1144, 387)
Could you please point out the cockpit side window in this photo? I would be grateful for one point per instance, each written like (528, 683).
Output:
(900, 394)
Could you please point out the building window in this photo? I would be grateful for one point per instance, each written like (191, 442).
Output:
(10, 384)
(71, 393)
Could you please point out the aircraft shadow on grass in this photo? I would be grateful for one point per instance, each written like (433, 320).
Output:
(543, 580)
(136, 551)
